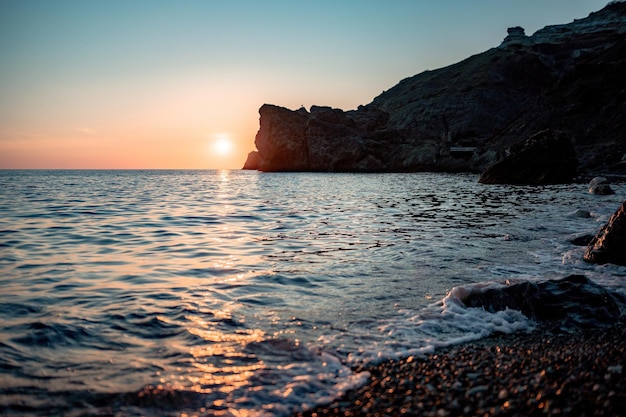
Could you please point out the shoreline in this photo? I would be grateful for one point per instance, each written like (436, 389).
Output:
(538, 373)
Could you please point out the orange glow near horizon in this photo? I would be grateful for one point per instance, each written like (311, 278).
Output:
(130, 149)
(170, 124)
(95, 85)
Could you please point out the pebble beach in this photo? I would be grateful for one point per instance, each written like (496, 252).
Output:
(537, 374)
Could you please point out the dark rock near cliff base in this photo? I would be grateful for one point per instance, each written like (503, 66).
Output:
(609, 244)
(254, 161)
(548, 157)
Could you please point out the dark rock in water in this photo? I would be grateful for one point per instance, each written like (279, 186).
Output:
(598, 181)
(581, 240)
(568, 303)
(583, 214)
(463, 117)
(609, 244)
(600, 186)
(601, 189)
(547, 157)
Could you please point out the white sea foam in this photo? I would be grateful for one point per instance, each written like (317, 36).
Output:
(311, 376)
(610, 276)
(444, 323)
(306, 377)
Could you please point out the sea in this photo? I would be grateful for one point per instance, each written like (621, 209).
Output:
(240, 293)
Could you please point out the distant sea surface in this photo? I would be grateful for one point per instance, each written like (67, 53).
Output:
(240, 293)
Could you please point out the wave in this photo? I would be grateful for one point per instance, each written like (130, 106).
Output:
(295, 376)
(475, 311)
(278, 375)
(141, 293)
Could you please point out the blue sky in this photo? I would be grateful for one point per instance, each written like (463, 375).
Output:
(150, 84)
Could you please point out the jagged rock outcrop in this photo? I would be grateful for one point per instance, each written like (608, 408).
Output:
(547, 157)
(324, 139)
(466, 116)
(609, 244)
(516, 37)
(281, 140)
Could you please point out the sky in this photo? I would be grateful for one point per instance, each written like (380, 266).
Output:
(131, 84)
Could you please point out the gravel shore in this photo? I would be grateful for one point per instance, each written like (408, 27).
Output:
(537, 374)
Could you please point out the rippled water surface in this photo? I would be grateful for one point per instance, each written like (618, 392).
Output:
(243, 293)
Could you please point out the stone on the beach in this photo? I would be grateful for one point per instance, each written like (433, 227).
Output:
(547, 157)
(609, 244)
(615, 369)
(600, 186)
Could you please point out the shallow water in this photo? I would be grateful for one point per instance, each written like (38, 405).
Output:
(245, 293)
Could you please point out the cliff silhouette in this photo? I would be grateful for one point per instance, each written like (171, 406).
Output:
(464, 117)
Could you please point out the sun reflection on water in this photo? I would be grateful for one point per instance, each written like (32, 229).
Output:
(224, 175)
(207, 377)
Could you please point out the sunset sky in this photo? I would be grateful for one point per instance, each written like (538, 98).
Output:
(155, 84)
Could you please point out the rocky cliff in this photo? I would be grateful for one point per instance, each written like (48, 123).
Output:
(464, 117)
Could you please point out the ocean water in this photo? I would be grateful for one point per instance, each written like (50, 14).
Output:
(238, 293)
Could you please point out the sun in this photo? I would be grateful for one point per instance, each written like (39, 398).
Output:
(222, 145)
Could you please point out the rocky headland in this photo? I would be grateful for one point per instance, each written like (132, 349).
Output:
(467, 116)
